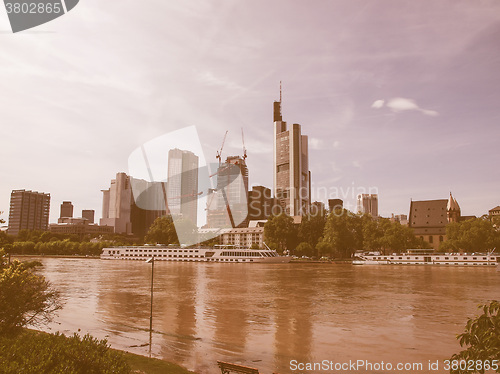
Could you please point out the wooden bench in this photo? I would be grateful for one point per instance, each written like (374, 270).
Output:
(227, 368)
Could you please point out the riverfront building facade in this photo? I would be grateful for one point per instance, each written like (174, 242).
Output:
(428, 219)
(29, 210)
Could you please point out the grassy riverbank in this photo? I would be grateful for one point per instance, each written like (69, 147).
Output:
(146, 365)
(31, 351)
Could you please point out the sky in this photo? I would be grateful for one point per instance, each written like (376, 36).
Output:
(397, 97)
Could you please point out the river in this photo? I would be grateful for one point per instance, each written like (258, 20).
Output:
(272, 316)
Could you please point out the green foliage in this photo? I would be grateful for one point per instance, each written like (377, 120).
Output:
(162, 231)
(343, 234)
(311, 229)
(33, 352)
(25, 298)
(5, 239)
(3, 259)
(324, 249)
(280, 232)
(482, 338)
(473, 235)
(304, 249)
(58, 247)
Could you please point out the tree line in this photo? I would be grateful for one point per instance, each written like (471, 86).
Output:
(37, 242)
(342, 233)
(338, 234)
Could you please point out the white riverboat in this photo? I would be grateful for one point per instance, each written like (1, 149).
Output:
(219, 253)
(428, 257)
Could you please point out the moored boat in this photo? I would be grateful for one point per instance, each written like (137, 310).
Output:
(427, 257)
(218, 253)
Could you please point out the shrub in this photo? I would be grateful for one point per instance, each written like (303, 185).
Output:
(482, 338)
(34, 352)
(25, 298)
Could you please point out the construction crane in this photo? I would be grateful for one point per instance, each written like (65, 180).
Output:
(224, 195)
(243, 141)
(219, 152)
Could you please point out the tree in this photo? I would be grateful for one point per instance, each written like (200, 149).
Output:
(304, 249)
(311, 229)
(280, 231)
(25, 298)
(373, 233)
(343, 234)
(482, 338)
(162, 231)
(473, 235)
(398, 238)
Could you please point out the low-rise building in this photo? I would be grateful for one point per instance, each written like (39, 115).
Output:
(243, 237)
(80, 227)
(428, 219)
(494, 212)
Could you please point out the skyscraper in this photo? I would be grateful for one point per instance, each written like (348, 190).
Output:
(129, 213)
(228, 206)
(292, 178)
(88, 215)
(28, 210)
(261, 204)
(368, 204)
(182, 184)
(66, 209)
(116, 204)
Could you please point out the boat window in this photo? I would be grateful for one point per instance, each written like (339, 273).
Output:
(484, 258)
(474, 258)
(465, 258)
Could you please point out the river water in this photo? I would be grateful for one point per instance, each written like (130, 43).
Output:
(273, 316)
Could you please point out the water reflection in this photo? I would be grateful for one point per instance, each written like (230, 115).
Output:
(266, 315)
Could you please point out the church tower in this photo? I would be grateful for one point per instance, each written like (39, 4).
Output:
(453, 209)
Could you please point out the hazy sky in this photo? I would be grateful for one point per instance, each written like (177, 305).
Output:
(401, 96)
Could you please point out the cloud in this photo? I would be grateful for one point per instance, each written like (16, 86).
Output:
(315, 143)
(377, 104)
(401, 104)
(211, 79)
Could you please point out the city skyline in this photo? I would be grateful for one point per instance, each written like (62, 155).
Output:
(401, 97)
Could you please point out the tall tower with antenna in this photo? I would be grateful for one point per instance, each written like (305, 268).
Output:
(291, 175)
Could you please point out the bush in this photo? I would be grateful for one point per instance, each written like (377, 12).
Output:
(33, 352)
(482, 338)
(25, 298)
